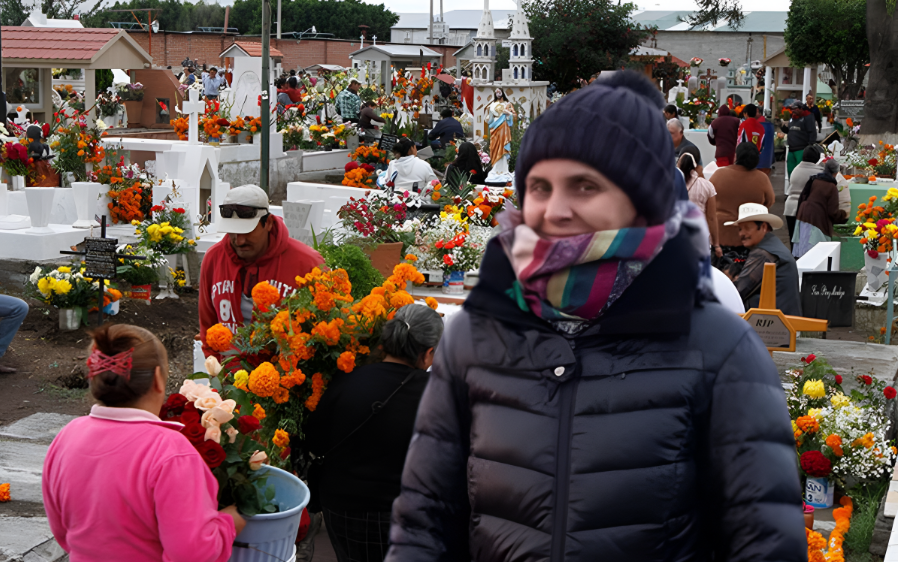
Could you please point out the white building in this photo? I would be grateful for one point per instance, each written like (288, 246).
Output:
(457, 28)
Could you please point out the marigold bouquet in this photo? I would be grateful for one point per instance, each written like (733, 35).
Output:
(226, 437)
(295, 344)
(76, 141)
(821, 550)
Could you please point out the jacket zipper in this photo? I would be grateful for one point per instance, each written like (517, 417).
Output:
(563, 467)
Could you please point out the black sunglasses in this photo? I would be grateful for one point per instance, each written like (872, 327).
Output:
(242, 211)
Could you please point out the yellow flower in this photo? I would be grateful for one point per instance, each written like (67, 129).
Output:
(45, 285)
(858, 230)
(815, 413)
(135, 222)
(840, 400)
(814, 389)
(62, 287)
(64, 269)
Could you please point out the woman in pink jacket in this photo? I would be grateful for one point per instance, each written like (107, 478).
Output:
(120, 484)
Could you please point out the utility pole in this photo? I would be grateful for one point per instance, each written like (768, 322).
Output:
(2, 95)
(266, 84)
(430, 25)
(279, 19)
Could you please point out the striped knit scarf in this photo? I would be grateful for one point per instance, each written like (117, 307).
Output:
(580, 277)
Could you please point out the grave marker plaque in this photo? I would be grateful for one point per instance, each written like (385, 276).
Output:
(387, 142)
(296, 218)
(829, 295)
(99, 258)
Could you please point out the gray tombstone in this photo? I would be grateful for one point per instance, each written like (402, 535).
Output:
(302, 218)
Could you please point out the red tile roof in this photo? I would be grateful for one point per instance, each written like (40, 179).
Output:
(252, 48)
(54, 43)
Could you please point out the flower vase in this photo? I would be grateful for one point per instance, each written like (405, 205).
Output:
(273, 534)
(876, 269)
(17, 183)
(818, 492)
(454, 282)
(180, 260)
(166, 283)
(809, 516)
(69, 319)
(215, 141)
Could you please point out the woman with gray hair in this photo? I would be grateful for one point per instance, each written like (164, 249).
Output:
(818, 210)
(361, 431)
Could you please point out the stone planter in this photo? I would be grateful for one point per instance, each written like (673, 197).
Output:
(40, 205)
(384, 257)
(135, 112)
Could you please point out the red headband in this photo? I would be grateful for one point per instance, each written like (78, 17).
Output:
(120, 364)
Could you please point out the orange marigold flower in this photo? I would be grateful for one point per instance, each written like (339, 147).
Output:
(407, 272)
(259, 412)
(281, 395)
(324, 299)
(372, 306)
(317, 391)
(281, 438)
(4, 492)
(264, 380)
(295, 378)
(330, 332)
(431, 302)
(808, 424)
(219, 338)
(411, 258)
(866, 441)
(346, 362)
(400, 299)
(265, 295)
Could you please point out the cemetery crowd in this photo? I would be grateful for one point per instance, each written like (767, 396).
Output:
(593, 400)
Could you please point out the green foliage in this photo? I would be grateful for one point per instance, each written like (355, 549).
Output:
(357, 264)
(843, 47)
(866, 500)
(103, 79)
(712, 11)
(574, 39)
(328, 16)
(12, 12)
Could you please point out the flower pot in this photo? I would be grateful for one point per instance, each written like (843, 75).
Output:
(215, 141)
(69, 319)
(384, 257)
(141, 293)
(273, 533)
(454, 283)
(135, 112)
(244, 137)
(818, 492)
(809, 516)
(17, 183)
(876, 270)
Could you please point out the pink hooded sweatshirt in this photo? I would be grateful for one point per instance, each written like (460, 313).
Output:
(121, 484)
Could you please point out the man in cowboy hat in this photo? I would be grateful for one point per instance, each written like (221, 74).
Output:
(756, 226)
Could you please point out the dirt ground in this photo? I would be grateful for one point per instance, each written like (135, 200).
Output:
(50, 363)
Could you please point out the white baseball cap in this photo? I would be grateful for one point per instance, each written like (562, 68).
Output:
(248, 197)
(753, 212)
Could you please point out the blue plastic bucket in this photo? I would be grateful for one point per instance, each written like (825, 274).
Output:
(270, 537)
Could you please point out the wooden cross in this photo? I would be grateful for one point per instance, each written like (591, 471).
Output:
(777, 330)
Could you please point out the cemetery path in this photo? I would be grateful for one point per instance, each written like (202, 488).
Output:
(50, 363)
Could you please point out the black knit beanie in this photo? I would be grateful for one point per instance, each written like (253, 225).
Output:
(616, 126)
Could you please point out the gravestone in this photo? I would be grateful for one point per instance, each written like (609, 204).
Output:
(302, 218)
(829, 295)
(387, 142)
(193, 107)
(7, 220)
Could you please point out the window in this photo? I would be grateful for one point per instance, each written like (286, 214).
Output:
(516, 73)
(523, 50)
(486, 50)
(524, 72)
(23, 86)
(515, 51)
(479, 50)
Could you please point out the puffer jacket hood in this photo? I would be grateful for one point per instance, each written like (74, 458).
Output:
(659, 432)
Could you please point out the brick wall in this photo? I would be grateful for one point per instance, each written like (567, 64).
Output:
(169, 49)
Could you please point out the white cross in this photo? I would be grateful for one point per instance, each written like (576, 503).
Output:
(192, 108)
(362, 37)
(374, 38)
(23, 116)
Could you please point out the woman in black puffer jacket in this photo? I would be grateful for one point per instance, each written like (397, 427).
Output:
(593, 402)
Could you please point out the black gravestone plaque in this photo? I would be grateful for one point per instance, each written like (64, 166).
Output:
(99, 258)
(387, 142)
(829, 295)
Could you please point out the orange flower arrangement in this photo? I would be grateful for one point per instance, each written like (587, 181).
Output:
(238, 125)
(125, 205)
(834, 442)
(181, 125)
(264, 380)
(265, 295)
(359, 177)
(432, 302)
(254, 125)
(219, 338)
(281, 439)
(259, 412)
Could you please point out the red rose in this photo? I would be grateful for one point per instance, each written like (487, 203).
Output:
(179, 210)
(873, 162)
(350, 166)
(811, 358)
(223, 122)
(248, 424)
(838, 379)
(213, 453)
(868, 380)
(889, 392)
(190, 416)
(195, 433)
(815, 464)
(173, 407)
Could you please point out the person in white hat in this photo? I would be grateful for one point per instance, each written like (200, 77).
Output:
(257, 248)
(756, 226)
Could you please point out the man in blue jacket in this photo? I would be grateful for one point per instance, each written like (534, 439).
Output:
(446, 130)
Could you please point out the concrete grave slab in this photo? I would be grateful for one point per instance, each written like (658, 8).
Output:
(20, 535)
(848, 358)
(40, 427)
(21, 464)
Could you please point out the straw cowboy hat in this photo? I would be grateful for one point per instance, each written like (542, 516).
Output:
(752, 212)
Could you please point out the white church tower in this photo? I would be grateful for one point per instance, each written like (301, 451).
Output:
(520, 60)
(484, 59)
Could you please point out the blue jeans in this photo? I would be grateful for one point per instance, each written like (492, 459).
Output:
(12, 313)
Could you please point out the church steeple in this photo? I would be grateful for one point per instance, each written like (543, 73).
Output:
(520, 61)
(485, 47)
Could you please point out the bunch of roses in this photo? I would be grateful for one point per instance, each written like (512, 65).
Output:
(294, 345)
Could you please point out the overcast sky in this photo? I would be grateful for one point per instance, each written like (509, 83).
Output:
(416, 5)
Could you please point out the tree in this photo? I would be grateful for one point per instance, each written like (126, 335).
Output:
(880, 102)
(328, 16)
(12, 12)
(574, 39)
(834, 33)
(173, 15)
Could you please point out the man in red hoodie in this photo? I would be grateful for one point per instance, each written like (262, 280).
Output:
(722, 134)
(257, 248)
(751, 129)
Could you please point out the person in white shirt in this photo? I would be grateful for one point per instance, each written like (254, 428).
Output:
(212, 82)
(406, 171)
